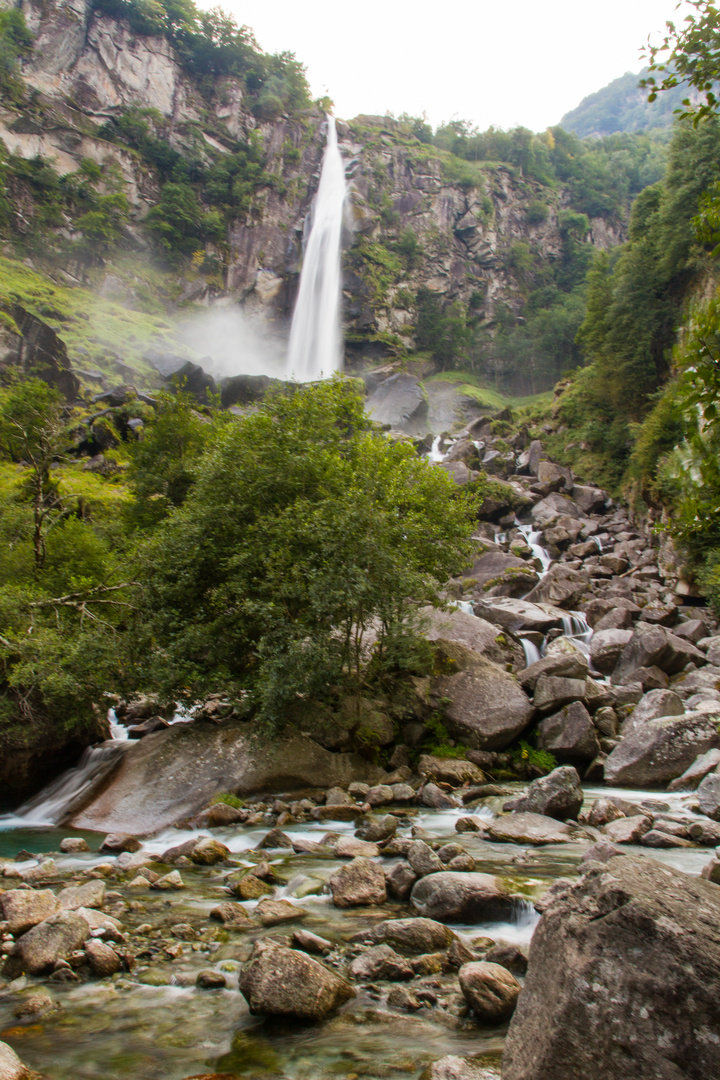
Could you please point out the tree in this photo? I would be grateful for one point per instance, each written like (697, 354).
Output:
(689, 54)
(304, 531)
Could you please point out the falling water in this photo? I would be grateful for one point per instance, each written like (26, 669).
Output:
(314, 350)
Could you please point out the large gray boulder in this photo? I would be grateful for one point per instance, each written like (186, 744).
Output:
(486, 703)
(410, 936)
(563, 587)
(24, 908)
(490, 991)
(570, 735)
(654, 646)
(659, 750)
(173, 774)
(278, 981)
(513, 614)
(622, 979)
(606, 647)
(452, 896)
(54, 939)
(399, 401)
(558, 795)
(652, 706)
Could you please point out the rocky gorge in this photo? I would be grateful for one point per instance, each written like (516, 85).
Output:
(313, 913)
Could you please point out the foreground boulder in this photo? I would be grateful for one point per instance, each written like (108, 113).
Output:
(11, 1067)
(659, 750)
(173, 774)
(490, 991)
(54, 939)
(558, 795)
(451, 896)
(358, 884)
(622, 980)
(654, 646)
(410, 936)
(487, 703)
(24, 908)
(278, 981)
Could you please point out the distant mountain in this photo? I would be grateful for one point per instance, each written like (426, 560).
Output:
(623, 106)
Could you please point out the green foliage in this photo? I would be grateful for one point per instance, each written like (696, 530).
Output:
(303, 529)
(227, 799)
(16, 41)
(180, 224)
(688, 56)
(526, 758)
(622, 107)
(438, 741)
(441, 328)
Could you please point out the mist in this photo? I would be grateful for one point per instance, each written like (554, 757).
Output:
(228, 341)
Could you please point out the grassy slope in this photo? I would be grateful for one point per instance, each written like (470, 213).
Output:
(472, 386)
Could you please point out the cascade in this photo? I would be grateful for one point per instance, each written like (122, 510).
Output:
(314, 350)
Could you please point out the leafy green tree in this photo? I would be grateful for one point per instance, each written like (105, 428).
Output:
(689, 54)
(304, 530)
(442, 329)
(16, 41)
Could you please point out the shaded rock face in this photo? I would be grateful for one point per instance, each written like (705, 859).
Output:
(38, 353)
(283, 982)
(32, 756)
(655, 647)
(172, 774)
(614, 962)
(558, 795)
(400, 402)
(659, 750)
(488, 704)
(570, 734)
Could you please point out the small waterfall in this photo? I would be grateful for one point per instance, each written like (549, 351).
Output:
(532, 653)
(63, 796)
(314, 350)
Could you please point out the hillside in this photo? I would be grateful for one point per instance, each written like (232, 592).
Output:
(622, 106)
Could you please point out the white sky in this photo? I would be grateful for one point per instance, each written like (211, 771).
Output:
(492, 62)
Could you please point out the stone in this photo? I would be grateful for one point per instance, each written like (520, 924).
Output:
(658, 838)
(337, 797)
(660, 750)
(465, 898)
(56, 938)
(514, 615)
(119, 842)
(380, 962)
(232, 915)
(359, 883)
(434, 796)
(399, 401)
(218, 815)
(311, 943)
(276, 912)
(566, 665)
(552, 692)
(706, 833)
(349, 847)
(711, 871)
(558, 795)
(652, 706)
(455, 771)
(527, 828)
(11, 1067)
(24, 908)
(423, 859)
(708, 796)
(73, 845)
(91, 894)
(602, 812)
(379, 795)
(103, 960)
(701, 766)
(654, 646)
(173, 880)
(172, 775)
(611, 959)
(508, 956)
(606, 647)
(249, 887)
(378, 829)
(399, 880)
(410, 936)
(486, 702)
(276, 838)
(627, 830)
(562, 587)
(208, 852)
(278, 981)
(569, 735)
(451, 1067)
(649, 678)
(490, 990)
(207, 979)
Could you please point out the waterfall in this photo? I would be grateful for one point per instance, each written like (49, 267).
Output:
(314, 350)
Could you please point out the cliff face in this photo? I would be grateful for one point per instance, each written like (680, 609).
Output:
(411, 222)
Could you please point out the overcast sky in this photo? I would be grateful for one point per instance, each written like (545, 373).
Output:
(501, 62)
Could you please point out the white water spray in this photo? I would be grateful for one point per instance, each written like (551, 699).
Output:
(314, 350)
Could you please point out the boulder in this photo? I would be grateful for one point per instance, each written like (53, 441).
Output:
(513, 614)
(553, 506)
(557, 477)
(24, 908)
(454, 771)
(553, 691)
(73, 845)
(380, 962)
(506, 574)
(526, 828)
(91, 894)
(399, 880)
(628, 830)
(652, 706)
(708, 796)
(208, 852)
(487, 703)
(410, 936)
(701, 766)
(54, 939)
(423, 859)
(350, 847)
(311, 943)
(563, 665)
(11, 1067)
(399, 401)
(606, 646)
(490, 990)
(562, 587)
(451, 1067)
(172, 774)
(569, 735)
(468, 630)
(359, 883)
(611, 961)
(103, 960)
(278, 981)
(558, 795)
(654, 646)
(277, 912)
(451, 896)
(591, 500)
(660, 750)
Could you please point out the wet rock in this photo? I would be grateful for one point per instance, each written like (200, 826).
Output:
(208, 852)
(210, 980)
(423, 859)
(284, 982)
(173, 880)
(410, 936)
(91, 894)
(276, 912)
(380, 962)
(701, 766)
(359, 883)
(453, 897)
(660, 750)
(705, 833)
(658, 838)
(490, 990)
(54, 939)
(708, 796)
(402, 793)
(603, 811)
(558, 795)
(628, 830)
(24, 908)
(400, 880)
(655, 647)
(276, 838)
(606, 647)
(219, 815)
(626, 943)
(73, 845)
(11, 1067)
(569, 735)
(249, 887)
(526, 828)
(455, 771)
(486, 702)
(118, 842)
(449, 851)
(232, 915)
(103, 960)
(711, 871)
(601, 851)
(508, 956)
(552, 692)
(153, 723)
(434, 796)
(451, 1067)
(465, 863)
(378, 829)
(349, 847)
(311, 943)
(379, 795)
(400, 997)
(652, 706)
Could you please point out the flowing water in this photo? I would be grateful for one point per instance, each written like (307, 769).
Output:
(314, 350)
